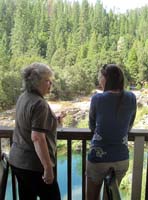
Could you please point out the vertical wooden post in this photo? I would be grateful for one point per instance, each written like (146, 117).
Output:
(83, 167)
(146, 187)
(69, 170)
(137, 167)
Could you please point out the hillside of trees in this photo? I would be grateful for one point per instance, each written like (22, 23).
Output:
(75, 39)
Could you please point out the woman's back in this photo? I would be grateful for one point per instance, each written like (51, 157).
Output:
(114, 114)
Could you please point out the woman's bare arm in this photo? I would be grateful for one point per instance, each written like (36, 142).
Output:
(41, 148)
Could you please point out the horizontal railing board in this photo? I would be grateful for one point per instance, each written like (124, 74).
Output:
(77, 133)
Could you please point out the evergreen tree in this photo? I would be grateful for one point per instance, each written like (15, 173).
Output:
(143, 63)
(93, 46)
(20, 32)
(84, 26)
(4, 56)
(132, 64)
(75, 38)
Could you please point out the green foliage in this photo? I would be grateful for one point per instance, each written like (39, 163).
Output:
(132, 64)
(83, 123)
(17, 63)
(75, 39)
(146, 85)
(58, 58)
(3, 99)
(138, 87)
(68, 121)
(11, 87)
(61, 145)
(140, 113)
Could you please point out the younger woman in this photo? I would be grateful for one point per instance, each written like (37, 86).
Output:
(111, 116)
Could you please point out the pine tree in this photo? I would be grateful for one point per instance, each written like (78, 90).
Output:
(20, 32)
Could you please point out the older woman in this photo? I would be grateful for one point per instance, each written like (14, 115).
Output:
(32, 155)
(112, 114)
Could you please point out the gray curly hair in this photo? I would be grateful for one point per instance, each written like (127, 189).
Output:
(33, 74)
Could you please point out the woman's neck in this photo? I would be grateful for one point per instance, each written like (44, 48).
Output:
(113, 91)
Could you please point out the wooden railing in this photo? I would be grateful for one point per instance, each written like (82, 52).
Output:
(139, 137)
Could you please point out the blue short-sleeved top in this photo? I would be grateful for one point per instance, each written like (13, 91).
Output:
(110, 118)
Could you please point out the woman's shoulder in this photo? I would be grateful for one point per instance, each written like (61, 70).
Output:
(130, 97)
(129, 94)
(97, 95)
(36, 100)
(96, 98)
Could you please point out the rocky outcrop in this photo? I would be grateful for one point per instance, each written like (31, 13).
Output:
(78, 110)
(142, 97)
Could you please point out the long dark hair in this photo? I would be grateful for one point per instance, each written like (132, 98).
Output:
(114, 81)
(114, 77)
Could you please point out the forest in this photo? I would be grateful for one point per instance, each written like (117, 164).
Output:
(75, 39)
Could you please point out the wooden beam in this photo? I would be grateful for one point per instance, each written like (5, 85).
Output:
(137, 168)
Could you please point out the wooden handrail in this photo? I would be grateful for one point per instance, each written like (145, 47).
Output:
(138, 136)
(76, 133)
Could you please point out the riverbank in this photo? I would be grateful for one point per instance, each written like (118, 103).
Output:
(78, 109)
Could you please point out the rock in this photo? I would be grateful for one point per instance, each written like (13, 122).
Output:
(142, 97)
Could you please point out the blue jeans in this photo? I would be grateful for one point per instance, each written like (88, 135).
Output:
(31, 186)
